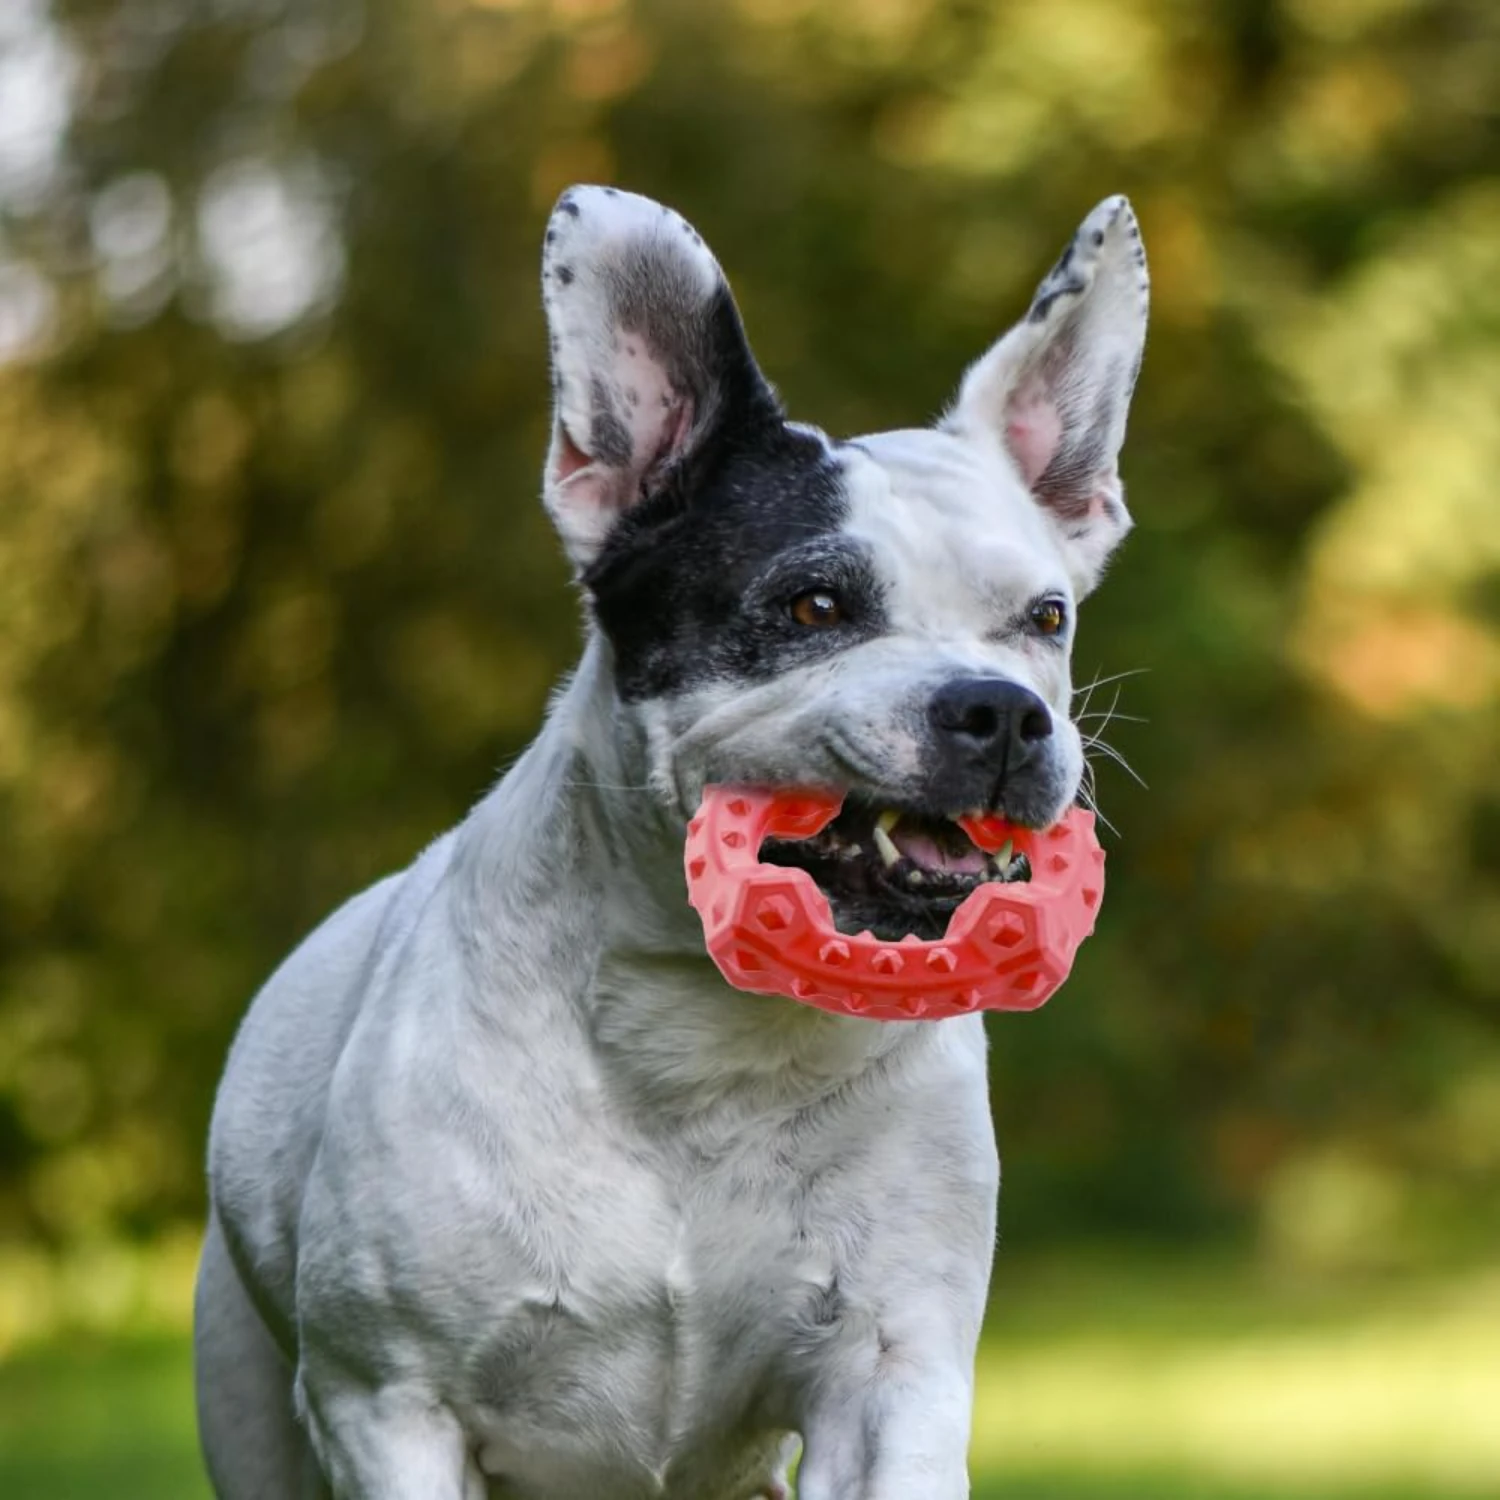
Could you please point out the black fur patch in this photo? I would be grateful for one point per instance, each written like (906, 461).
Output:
(1061, 280)
(609, 435)
(696, 581)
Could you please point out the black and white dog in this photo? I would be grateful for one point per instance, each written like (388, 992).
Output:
(512, 1194)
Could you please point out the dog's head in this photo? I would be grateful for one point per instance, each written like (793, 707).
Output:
(891, 615)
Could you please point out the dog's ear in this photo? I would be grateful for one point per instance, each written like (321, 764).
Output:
(1055, 390)
(650, 365)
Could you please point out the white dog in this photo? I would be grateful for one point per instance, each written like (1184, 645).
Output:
(512, 1194)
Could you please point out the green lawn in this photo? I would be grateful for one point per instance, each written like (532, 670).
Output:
(1096, 1383)
(100, 1420)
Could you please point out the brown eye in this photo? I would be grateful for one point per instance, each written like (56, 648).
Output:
(817, 609)
(1049, 616)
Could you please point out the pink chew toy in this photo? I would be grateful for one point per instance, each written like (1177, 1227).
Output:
(770, 930)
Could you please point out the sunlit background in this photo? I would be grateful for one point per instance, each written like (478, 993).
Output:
(277, 600)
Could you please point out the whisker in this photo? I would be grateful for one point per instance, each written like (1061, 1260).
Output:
(1086, 795)
(1104, 718)
(1110, 716)
(1110, 712)
(1100, 682)
(1088, 689)
(1091, 723)
(1110, 753)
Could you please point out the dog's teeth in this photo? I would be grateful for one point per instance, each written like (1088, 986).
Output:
(887, 820)
(915, 877)
(889, 853)
(1001, 857)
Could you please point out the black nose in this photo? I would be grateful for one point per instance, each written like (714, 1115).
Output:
(989, 717)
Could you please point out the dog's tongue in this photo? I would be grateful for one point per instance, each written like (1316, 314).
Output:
(924, 850)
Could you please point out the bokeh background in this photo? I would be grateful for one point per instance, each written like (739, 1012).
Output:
(277, 600)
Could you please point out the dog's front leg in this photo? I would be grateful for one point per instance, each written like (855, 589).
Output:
(901, 1433)
(396, 1443)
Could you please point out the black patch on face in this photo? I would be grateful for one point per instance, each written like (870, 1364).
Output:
(696, 581)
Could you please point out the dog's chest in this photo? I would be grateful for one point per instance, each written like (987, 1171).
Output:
(667, 1347)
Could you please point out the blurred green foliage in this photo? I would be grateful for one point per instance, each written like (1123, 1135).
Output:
(276, 597)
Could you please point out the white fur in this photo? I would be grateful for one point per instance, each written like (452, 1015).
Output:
(519, 1188)
(512, 1195)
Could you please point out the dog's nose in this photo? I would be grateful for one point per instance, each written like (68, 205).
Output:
(991, 718)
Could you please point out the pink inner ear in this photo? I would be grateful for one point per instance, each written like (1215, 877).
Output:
(570, 458)
(1033, 429)
(653, 416)
(1102, 502)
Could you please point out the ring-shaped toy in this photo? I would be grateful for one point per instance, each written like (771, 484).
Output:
(769, 928)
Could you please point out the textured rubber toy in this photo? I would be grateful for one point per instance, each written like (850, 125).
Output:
(770, 930)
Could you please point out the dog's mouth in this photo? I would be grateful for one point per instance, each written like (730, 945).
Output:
(892, 872)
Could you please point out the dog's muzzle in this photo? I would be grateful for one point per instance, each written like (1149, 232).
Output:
(992, 747)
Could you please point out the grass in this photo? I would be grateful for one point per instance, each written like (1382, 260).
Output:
(1204, 1380)
(1103, 1382)
(100, 1419)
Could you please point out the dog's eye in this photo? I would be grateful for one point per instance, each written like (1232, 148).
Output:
(1049, 616)
(817, 609)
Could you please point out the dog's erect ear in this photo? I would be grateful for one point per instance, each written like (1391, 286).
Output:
(1056, 388)
(650, 365)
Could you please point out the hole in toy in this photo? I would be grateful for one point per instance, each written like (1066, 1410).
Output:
(892, 872)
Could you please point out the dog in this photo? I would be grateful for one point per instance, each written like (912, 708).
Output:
(511, 1194)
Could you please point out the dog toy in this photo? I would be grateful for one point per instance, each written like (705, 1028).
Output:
(770, 929)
